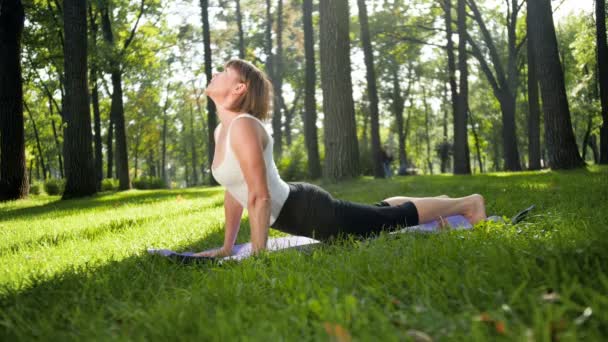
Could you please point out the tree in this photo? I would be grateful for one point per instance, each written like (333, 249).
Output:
(462, 163)
(505, 83)
(117, 112)
(13, 177)
(602, 57)
(559, 138)
(310, 105)
(78, 153)
(341, 146)
(94, 70)
(533, 105)
(372, 90)
(211, 111)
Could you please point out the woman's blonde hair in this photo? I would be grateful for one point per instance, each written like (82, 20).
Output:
(258, 98)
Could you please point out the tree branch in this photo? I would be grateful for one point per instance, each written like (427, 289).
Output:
(132, 35)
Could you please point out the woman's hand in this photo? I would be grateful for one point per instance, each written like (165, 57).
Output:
(215, 253)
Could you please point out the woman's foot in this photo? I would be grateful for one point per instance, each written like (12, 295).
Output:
(475, 208)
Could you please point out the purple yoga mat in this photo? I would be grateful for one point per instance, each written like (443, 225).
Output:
(243, 251)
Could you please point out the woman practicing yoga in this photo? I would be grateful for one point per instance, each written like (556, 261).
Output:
(244, 165)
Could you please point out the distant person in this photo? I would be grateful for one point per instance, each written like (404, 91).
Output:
(387, 159)
(244, 165)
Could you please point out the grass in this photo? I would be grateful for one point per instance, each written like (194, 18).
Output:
(78, 269)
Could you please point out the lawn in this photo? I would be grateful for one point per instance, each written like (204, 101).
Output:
(78, 269)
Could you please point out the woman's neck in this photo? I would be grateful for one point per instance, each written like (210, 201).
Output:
(226, 115)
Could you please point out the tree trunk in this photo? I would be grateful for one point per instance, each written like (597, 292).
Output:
(95, 103)
(310, 104)
(559, 138)
(117, 112)
(444, 151)
(341, 147)
(211, 115)
(427, 128)
(533, 107)
(78, 152)
(371, 90)
(193, 147)
(13, 174)
(55, 137)
(277, 81)
(239, 23)
(602, 57)
(398, 107)
(164, 145)
(38, 146)
(477, 147)
(110, 144)
(461, 144)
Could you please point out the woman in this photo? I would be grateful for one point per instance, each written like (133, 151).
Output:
(243, 163)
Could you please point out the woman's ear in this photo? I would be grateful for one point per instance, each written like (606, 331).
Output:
(240, 89)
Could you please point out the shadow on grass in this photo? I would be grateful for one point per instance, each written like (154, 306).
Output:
(61, 208)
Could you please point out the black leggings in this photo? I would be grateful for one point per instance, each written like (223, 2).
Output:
(311, 211)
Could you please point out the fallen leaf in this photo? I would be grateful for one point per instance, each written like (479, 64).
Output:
(584, 316)
(550, 296)
(500, 327)
(337, 332)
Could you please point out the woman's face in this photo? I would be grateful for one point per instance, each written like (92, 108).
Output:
(222, 85)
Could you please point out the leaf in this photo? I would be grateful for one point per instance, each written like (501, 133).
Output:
(337, 332)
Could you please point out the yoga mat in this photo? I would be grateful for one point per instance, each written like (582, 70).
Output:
(243, 251)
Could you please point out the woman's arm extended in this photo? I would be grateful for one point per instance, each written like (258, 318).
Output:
(249, 153)
(233, 212)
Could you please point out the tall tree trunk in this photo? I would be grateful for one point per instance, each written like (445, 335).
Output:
(239, 23)
(289, 114)
(398, 107)
(602, 57)
(13, 174)
(193, 147)
(461, 144)
(36, 136)
(277, 80)
(371, 89)
(310, 104)
(427, 128)
(110, 143)
(78, 151)
(211, 112)
(164, 145)
(533, 106)
(95, 103)
(341, 147)
(444, 150)
(55, 137)
(559, 138)
(476, 137)
(117, 113)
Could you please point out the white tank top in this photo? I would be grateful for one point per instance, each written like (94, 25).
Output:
(229, 174)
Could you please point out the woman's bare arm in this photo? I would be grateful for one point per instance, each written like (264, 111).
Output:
(233, 211)
(249, 153)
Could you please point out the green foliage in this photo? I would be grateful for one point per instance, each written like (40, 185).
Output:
(36, 188)
(149, 183)
(109, 184)
(54, 186)
(293, 165)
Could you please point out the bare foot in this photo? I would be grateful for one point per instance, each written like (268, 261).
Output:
(476, 209)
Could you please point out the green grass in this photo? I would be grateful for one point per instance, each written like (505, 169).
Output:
(78, 269)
